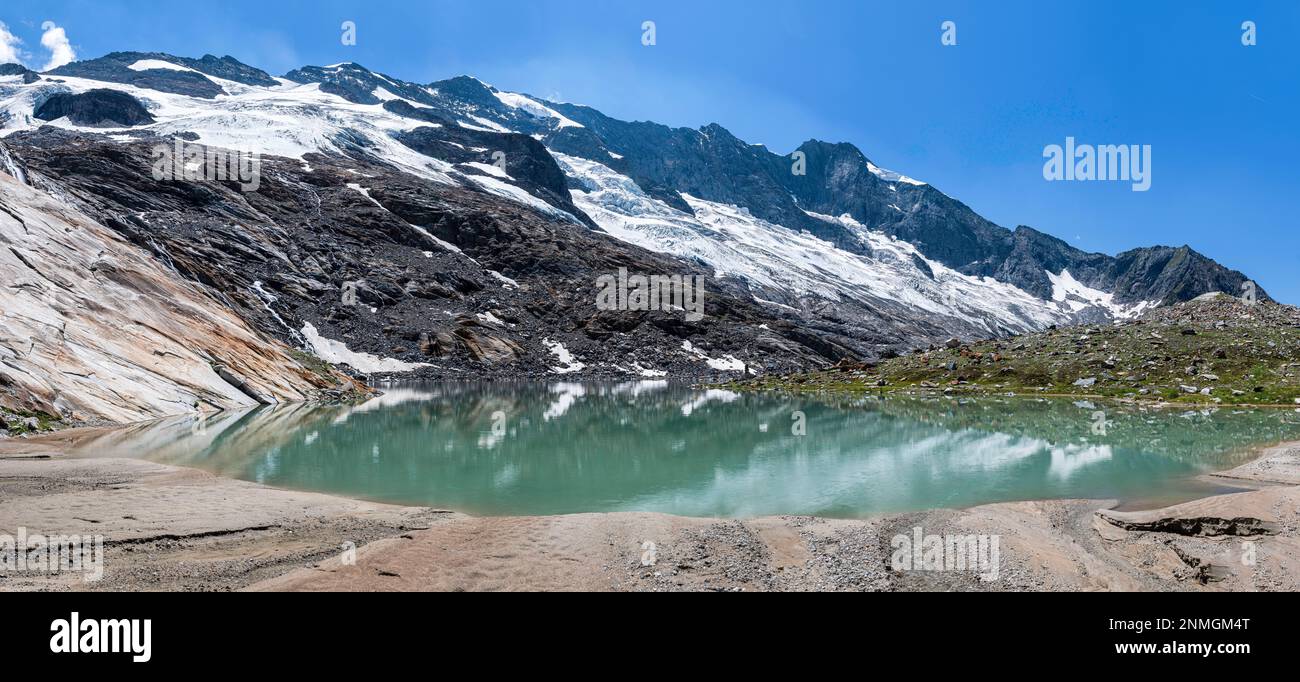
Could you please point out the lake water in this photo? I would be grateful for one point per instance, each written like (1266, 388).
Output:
(525, 449)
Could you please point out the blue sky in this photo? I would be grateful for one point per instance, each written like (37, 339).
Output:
(971, 119)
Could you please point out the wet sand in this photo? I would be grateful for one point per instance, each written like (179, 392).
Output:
(171, 528)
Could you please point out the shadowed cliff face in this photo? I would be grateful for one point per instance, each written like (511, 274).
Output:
(97, 108)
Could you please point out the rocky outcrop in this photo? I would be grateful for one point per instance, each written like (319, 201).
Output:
(97, 108)
(93, 328)
(28, 75)
(1201, 526)
(517, 157)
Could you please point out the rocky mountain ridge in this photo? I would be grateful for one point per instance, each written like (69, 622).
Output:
(454, 229)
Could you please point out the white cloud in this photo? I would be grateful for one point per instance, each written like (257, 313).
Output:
(56, 41)
(9, 46)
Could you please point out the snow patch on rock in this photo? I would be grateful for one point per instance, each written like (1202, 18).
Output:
(337, 352)
(1074, 295)
(568, 363)
(535, 108)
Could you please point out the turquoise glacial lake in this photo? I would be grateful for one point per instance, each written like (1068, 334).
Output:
(537, 449)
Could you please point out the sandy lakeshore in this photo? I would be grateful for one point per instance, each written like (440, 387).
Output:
(171, 528)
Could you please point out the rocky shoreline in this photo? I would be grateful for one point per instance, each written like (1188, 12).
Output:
(171, 528)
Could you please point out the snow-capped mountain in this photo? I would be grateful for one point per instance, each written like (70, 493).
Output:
(786, 269)
(476, 222)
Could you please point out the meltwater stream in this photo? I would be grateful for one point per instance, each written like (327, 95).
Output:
(531, 449)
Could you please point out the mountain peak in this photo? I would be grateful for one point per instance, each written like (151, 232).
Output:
(355, 83)
(347, 66)
(167, 72)
(465, 80)
(151, 70)
(468, 89)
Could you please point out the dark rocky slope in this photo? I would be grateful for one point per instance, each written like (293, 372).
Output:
(282, 256)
